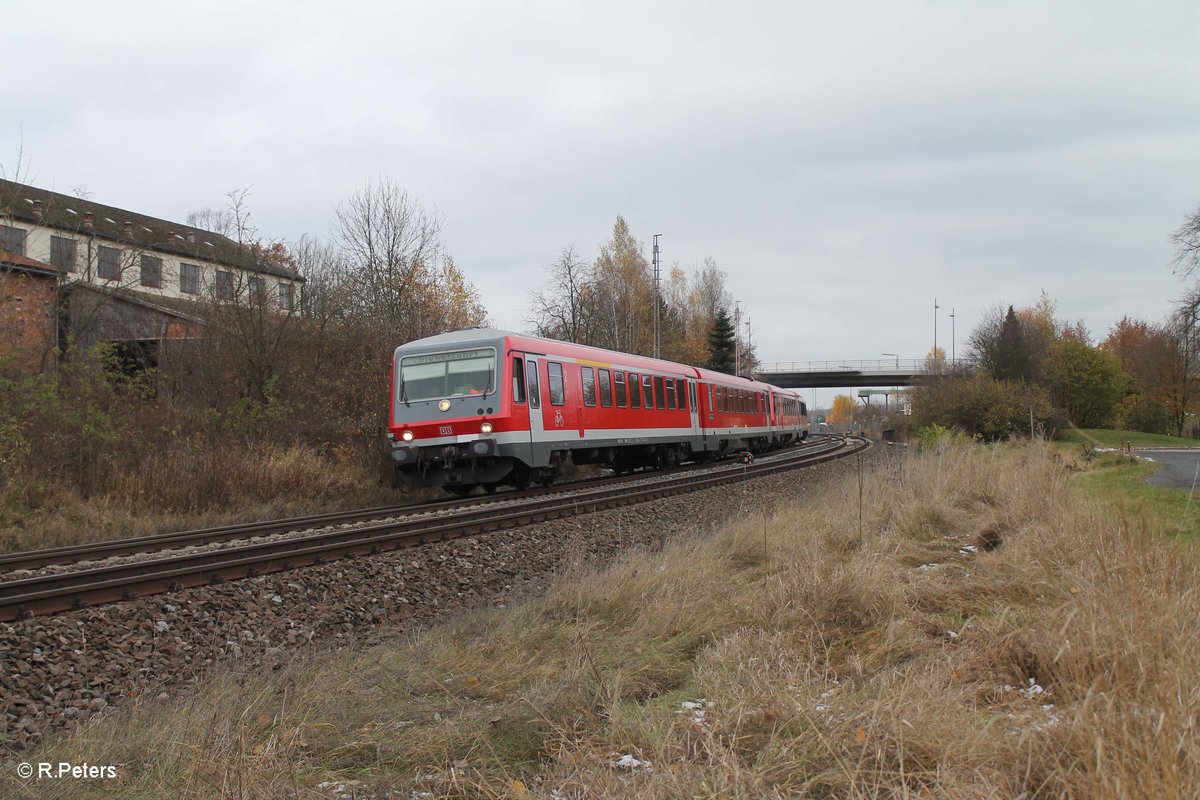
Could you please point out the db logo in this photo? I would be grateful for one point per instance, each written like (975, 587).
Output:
(445, 430)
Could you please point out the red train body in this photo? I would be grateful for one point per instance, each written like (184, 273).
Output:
(485, 407)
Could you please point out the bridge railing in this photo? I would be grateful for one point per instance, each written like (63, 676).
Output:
(900, 366)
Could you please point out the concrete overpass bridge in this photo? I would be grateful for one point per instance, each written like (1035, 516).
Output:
(845, 374)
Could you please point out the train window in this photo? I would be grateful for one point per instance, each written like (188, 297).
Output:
(712, 405)
(681, 389)
(670, 394)
(803, 409)
(647, 392)
(535, 397)
(660, 396)
(720, 399)
(635, 391)
(589, 386)
(619, 386)
(518, 379)
(692, 392)
(558, 394)
(605, 388)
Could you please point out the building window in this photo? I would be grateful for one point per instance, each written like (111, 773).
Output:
(62, 253)
(12, 240)
(254, 287)
(189, 278)
(286, 298)
(108, 263)
(152, 272)
(224, 284)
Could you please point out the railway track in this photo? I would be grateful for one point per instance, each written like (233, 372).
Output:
(404, 526)
(97, 551)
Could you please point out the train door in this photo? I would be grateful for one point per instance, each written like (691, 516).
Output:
(535, 388)
(694, 409)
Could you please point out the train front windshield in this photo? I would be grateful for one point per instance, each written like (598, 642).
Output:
(436, 375)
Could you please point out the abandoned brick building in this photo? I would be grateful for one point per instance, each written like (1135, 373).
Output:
(74, 271)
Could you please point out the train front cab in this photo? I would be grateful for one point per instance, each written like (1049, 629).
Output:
(451, 423)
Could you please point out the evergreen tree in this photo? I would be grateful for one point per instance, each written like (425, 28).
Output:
(1013, 359)
(721, 347)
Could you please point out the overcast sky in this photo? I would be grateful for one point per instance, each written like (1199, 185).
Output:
(844, 164)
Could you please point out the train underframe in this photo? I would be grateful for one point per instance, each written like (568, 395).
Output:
(460, 468)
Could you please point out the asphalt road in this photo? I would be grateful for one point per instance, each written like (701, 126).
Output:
(1178, 469)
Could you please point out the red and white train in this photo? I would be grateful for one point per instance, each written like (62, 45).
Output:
(482, 407)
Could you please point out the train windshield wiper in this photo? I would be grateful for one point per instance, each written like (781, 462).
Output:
(404, 394)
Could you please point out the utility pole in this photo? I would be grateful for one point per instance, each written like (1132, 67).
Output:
(657, 299)
(748, 340)
(737, 328)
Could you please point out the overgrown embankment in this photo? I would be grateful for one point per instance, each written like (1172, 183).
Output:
(88, 454)
(970, 627)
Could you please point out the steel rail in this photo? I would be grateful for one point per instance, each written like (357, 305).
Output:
(48, 594)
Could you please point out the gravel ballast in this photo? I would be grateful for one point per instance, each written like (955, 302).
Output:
(59, 670)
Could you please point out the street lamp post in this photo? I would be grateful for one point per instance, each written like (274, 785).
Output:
(935, 310)
(897, 357)
(952, 335)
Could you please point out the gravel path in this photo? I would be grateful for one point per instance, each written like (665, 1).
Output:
(55, 671)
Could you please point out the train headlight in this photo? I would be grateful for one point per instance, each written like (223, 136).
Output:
(407, 436)
(485, 428)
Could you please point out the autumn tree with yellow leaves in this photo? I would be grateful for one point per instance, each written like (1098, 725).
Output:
(609, 302)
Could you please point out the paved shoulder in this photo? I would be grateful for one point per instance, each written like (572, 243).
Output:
(1179, 467)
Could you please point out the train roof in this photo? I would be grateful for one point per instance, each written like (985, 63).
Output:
(540, 344)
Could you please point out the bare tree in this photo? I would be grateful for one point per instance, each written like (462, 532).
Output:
(1187, 245)
(217, 220)
(562, 309)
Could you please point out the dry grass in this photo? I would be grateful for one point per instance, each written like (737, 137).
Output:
(833, 661)
(179, 489)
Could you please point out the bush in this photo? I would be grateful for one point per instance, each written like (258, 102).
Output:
(980, 406)
(1139, 413)
(933, 436)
